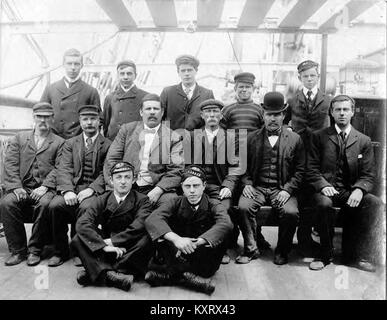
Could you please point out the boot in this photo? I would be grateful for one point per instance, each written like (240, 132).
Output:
(198, 283)
(156, 278)
(119, 280)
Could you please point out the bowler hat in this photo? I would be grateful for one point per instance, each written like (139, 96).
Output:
(88, 109)
(43, 109)
(273, 102)
(246, 77)
(211, 103)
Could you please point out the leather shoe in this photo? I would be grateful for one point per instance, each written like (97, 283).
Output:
(280, 259)
(83, 278)
(365, 265)
(77, 262)
(33, 259)
(226, 259)
(156, 278)
(317, 265)
(15, 259)
(247, 257)
(192, 281)
(55, 261)
(119, 280)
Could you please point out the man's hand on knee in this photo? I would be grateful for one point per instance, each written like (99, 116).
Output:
(20, 194)
(329, 191)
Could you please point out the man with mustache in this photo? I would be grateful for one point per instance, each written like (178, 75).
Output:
(341, 169)
(155, 151)
(121, 249)
(122, 105)
(67, 94)
(30, 173)
(275, 169)
(189, 233)
(181, 102)
(80, 178)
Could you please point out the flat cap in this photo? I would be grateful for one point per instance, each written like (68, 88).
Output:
(305, 65)
(246, 77)
(121, 167)
(43, 109)
(89, 109)
(274, 102)
(194, 171)
(211, 103)
(126, 63)
(187, 59)
(151, 97)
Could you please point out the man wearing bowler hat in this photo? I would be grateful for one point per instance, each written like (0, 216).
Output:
(67, 94)
(30, 173)
(80, 179)
(275, 169)
(121, 249)
(122, 105)
(181, 102)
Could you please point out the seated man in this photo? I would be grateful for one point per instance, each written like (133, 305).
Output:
(30, 171)
(189, 232)
(155, 151)
(275, 169)
(215, 151)
(121, 249)
(340, 168)
(80, 179)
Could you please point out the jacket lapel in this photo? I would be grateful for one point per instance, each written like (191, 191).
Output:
(332, 133)
(47, 142)
(319, 98)
(352, 138)
(179, 90)
(79, 151)
(124, 207)
(98, 144)
(75, 88)
(61, 87)
(121, 94)
(135, 147)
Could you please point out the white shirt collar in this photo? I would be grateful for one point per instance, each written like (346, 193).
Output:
(191, 89)
(155, 128)
(92, 138)
(314, 91)
(347, 130)
(126, 90)
(68, 80)
(118, 198)
(211, 133)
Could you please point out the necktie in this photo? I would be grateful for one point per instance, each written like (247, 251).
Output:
(89, 143)
(187, 91)
(342, 136)
(309, 95)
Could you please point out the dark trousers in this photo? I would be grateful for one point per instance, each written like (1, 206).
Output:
(15, 213)
(304, 231)
(204, 262)
(134, 261)
(361, 225)
(61, 215)
(288, 219)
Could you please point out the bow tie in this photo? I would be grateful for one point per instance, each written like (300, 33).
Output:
(273, 133)
(149, 130)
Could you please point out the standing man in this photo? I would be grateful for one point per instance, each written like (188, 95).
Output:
(67, 94)
(181, 102)
(275, 169)
(244, 115)
(155, 151)
(80, 179)
(121, 249)
(122, 105)
(341, 169)
(189, 232)
(308, 112)
(30, 174)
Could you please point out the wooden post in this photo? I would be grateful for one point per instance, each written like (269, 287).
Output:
(324, 54)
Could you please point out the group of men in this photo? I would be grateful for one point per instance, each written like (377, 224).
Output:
(158, 186)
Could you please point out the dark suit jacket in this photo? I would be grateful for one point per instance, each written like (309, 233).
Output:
(65, 103)
(21, 154)
(166, 161)
(123, 224)
(323, 158)
(210, 222)
(121, 107)
(226, 166)
(181, 112)
(305, 121)
(291, 159)
(71, 165)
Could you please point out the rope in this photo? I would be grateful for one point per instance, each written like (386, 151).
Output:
(233, 50)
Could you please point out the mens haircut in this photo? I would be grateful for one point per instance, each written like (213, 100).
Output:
(151, 97)
(72, 53)
(342, 98)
